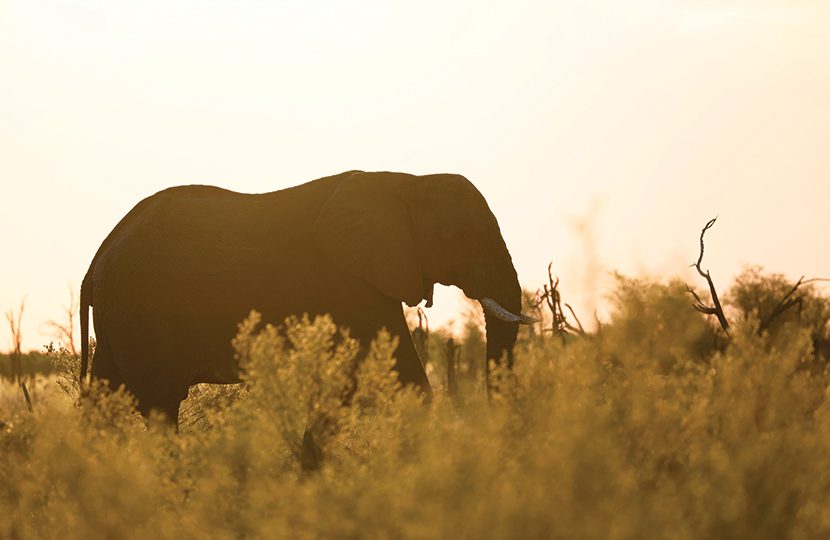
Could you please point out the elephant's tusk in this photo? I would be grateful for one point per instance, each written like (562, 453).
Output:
(527, 319)
(493, 307)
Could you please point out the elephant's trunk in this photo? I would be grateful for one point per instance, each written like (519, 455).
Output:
(501, 332)
(501, 337)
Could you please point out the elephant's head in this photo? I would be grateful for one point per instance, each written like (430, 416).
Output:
(404, 233)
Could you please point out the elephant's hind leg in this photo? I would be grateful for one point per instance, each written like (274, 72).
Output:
(104, 366)
(168, 407)
(153, 387)
(158, 389)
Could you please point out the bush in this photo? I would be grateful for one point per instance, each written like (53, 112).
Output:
(782, 307)
(643, 430)
(33, 363)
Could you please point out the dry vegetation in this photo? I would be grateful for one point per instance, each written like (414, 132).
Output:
(657, 425)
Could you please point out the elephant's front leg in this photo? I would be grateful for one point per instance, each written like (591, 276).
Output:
(407, 363)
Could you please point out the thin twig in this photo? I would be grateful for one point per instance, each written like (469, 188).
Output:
(813, 280)
(579, 324)
(26, 395)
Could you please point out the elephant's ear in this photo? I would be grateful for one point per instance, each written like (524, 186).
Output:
(365, 229)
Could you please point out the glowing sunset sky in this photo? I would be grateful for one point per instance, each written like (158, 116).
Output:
(604, 134)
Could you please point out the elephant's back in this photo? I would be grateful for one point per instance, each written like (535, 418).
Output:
(211, 207)
(194, 239)
(179, 236)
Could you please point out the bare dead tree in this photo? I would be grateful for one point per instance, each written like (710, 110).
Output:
(549, 295)
(16, 356)
(716, 309)
(64, 332)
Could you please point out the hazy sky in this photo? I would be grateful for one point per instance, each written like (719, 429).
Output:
(603, 133)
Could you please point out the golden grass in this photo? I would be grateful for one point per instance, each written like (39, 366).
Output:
(652, 428)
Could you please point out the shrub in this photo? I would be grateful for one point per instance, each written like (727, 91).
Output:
(782, 307)
(644, 430)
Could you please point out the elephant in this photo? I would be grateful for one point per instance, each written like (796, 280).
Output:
(172, 280)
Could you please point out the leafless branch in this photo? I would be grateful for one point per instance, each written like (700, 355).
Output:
(784, 304)
(699, 305)
(579, 324)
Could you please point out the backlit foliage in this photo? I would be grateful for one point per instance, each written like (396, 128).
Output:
(652, 427)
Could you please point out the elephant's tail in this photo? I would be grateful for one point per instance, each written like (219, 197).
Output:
(85, 303)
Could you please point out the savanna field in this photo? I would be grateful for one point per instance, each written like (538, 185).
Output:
(656, 424)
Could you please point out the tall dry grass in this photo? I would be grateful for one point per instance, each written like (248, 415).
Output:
(654, 427)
